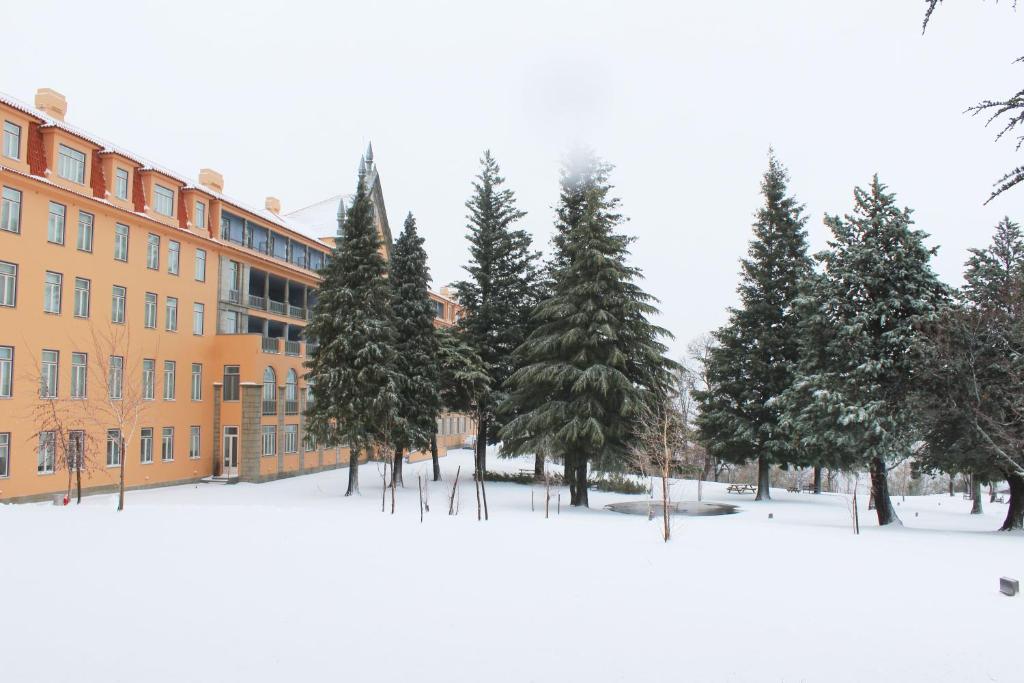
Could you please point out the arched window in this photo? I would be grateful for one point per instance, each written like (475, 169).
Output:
(269, 384)
(291, 387)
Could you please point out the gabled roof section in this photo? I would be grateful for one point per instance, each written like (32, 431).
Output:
(320, 219)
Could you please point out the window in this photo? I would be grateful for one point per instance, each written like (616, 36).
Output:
(291, 438)
(10, 210)
(173, 257)
(200, 215)
(234, 280)
(51, 292)
(8, 283)
(163, 200)
(229, 322)
(55, 224)
(269, 440)
(200, 265)
(269, 391)
(5, 454)
(171, 313)
(47, 453)
(117, 304)
(153, 252)
(49, 371)
(113, 447)
(308, 442)
(6, 371)
(170, 372)
(71, 164)
(12, 140)
(79, 374)
(232, 228)
(193, 442)
(121, 183)
(231, 383)
(198, 311)
(82, 288)
(149, 314)
(121, 242)
(167, 444)
(116, 378)
(291, 393)
(85, 224)
(146, 445)
(197, 381)
(148, 379)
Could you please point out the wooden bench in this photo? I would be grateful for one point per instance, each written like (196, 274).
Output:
(741, 488)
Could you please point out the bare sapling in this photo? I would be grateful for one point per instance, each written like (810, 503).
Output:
(547, 494)
(419, 485)
(476, 483)
(455, 485)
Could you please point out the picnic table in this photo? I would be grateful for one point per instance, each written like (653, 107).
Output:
(741, 488)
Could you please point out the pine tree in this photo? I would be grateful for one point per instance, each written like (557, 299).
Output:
(754, 359)
(351, 370)
(462, 379)
(416, 362)
(499, 293)
(593, 360)
(855, 396)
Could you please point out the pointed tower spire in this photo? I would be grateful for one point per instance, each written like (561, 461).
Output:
(369, 154)
(341, 214)
(362, 166)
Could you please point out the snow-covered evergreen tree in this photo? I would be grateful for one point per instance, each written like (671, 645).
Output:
(417, 355)
(352, 368)
(754, 358)
(593, 359)
(462, 379)
(500, 292)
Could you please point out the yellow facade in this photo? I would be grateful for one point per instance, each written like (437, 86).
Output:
(207, 320)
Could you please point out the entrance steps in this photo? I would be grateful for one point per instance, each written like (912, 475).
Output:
(219, 480)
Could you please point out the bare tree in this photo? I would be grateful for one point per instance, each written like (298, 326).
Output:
(695, 365)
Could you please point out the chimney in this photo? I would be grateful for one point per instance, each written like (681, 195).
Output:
(52, 103)
(273, 205)
(211, 179)
(446, 292)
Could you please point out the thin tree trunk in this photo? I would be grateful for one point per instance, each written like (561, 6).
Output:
(664, 507)
(951, 486)
(396, 469)
(817, 478)
(481, 444)
(455, 485)
(483, 492)
(476, 483)
(120, 486)
(1015, 513)
(569, 474)
(353, 471)
(434, 458)
(880, 490)
(538, 466)
(976, 496)
(991, 492)
(580, 497)
(78, 484)
(764, 479)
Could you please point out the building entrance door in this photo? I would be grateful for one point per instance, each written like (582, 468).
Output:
(231, 451)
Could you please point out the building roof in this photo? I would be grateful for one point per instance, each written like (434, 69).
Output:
(320, 219)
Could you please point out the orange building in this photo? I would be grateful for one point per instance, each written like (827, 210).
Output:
(149, 318)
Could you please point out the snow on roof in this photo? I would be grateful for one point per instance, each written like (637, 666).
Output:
(320, 219)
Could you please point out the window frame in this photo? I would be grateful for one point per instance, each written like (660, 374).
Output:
(47, 285)
(170, 380)
(118, 234)
(114, 309)
(5, 455)
(173, 257)
(45, 367)
(152, 251)
(159, 197)
(115, 378)
(90, 231)
(78, 298)
(167, 444)
(9, 135)
(145, 446)
(198, 316)
(235, 383)
(56, 221)
(82, 392)
(114, 446)
(46, 460)
(67, 160)
(9, 219)
(200, 272)
(170, 314)
(195, 442)
(196, 384)
(117, 183)
(149, 379)
(268, 431)
(13, 288)
(9, 364)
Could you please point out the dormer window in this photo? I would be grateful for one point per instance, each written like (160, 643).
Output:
(200, 215)
(71, 164)
(12, 140)
(121, 183)
(163, 200)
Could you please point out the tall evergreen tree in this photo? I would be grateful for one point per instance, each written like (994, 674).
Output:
(462, 381)
(594, 359)
(876, 291)
(499, 293)
(416, 361)
(754, 358)
(351, 370)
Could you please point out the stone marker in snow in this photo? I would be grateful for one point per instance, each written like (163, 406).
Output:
(1009, 586)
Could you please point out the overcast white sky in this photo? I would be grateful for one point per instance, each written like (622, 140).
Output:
(684, 97)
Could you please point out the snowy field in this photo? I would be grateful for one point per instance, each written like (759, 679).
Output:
(290, 581)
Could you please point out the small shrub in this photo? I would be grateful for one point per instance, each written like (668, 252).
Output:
(617, 483)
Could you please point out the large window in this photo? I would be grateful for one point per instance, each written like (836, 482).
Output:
(232, 228)
(171, 313)
(117, 304)
(291, 393)
(55, 223)
(5, 454)
(115, 378)
(173, 257)
(148, 379)
(149, 312)
(79, 375)
(146, 445)
(6, 371)
(269, 440)
(10, 210)
(85, 230)
(121, 242)
(200, 215)
(8, 283)
(197, 381)
(71, 164)
(163, 200)
(269, 391)
(167, 444)
(83, 288)
(113, 447)
(121, 183)
(231, 383)
(12, 140)
(153, 252)
(170, 375)
(229, 322)
(200, 265)
(279, 246)
(49, 372)
(193, 442)
(46, 455)
(198, 312)
(51, 292)
(291, 438)
(298, 255)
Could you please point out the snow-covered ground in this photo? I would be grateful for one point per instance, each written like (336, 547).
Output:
(290, 581)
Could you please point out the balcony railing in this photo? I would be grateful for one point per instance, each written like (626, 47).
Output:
(292, 348)
(257, 302)
(270, 344)
(277, 307)
(269, 406)
(235, 296)
(309, 314)
(296, 312)
(291, 407)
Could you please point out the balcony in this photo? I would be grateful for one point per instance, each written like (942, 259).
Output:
(234, 296)
(270, 344)
(278, 307)
(292, 348)
(257, 302)
(296, 312)
(269, 406)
